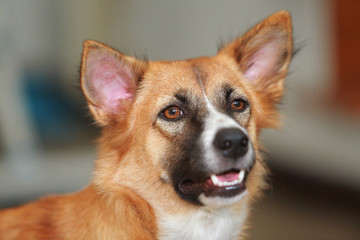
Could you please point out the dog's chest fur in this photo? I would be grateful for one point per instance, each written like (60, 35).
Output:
(215, 224)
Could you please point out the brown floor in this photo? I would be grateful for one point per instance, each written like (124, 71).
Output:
(306, 209)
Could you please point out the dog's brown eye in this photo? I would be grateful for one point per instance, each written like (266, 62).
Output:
(238, 105)
(172, 113)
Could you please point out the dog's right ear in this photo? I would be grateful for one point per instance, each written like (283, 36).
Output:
(109, 80)
(263, 56)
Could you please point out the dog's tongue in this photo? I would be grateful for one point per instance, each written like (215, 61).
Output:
(228, 177)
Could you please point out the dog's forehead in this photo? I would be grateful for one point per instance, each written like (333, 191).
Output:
(172, 75)
(197, 78)
(212, 76)
(165, 82)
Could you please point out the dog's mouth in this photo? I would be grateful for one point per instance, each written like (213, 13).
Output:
(225, 184)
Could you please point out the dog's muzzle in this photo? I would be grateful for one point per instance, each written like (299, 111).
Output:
(235, 159)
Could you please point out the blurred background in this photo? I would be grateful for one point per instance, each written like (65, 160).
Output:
(47, 139)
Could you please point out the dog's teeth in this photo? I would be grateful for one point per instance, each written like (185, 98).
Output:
(215, 180)
(241, 175)
(219, 183)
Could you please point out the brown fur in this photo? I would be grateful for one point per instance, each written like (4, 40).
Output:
(128, 188)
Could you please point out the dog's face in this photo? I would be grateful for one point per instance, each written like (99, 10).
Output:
(189, 127)
(201, 131)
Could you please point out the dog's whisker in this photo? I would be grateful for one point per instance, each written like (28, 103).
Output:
(151, 185)
(260, 160)
(269, 173)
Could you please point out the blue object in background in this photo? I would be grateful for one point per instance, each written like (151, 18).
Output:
(57, 117)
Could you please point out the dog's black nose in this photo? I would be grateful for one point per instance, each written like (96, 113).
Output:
(231, 142)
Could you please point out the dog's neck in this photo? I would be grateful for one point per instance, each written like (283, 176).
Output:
(114, 221)
(204, 223)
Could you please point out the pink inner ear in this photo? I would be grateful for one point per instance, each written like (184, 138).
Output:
(111, 81)
(263, 62)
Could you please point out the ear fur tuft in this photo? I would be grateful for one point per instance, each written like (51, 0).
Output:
(263, 54)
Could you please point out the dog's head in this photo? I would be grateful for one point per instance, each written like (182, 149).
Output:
(188, 128)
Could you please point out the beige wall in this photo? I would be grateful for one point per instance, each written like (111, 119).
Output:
(43, 32)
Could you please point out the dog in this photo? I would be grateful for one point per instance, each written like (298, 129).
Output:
(179, 154)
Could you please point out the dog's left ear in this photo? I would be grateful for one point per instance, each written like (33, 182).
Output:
(263, 55)
(109, 80)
